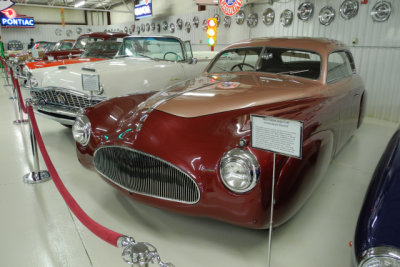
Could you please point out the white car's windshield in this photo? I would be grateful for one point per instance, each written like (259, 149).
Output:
(286, 61)
(152, 47)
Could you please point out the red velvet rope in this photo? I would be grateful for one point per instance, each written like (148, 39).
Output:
(21, 101)
(102, 232)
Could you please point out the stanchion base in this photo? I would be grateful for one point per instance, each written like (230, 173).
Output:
(36, 177)
(17, 122)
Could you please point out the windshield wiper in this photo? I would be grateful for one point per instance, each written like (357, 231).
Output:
(292, 72)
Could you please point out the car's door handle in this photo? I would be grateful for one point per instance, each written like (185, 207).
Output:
(356, 94)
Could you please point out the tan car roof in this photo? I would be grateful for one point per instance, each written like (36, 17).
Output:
(322, 46)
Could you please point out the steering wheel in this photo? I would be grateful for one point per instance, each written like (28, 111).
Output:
(240, 66)
(176, 55)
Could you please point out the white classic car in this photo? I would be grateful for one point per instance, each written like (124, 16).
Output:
(143, 64)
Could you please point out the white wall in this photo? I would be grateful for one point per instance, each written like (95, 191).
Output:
(120, 18)
(51, 14)
(161, 9)
(377, 53)
(43, 32)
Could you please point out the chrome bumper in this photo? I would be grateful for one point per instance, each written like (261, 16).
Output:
(62, 115)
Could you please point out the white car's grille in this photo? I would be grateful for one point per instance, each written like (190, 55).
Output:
(63, 98)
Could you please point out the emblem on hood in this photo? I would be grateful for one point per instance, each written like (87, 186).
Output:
(228, 85)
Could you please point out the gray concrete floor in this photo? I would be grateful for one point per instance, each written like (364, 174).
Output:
(37, 228)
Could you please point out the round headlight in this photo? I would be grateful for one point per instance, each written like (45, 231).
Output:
(239, 170)
(381, 262)
(34, 82)
(81, 130)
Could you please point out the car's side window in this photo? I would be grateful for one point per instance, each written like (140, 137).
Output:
(339, 67)
(351, 60)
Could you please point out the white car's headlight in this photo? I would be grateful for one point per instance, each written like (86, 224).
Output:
(34, 82)
(239, 170)
(381, 262)
(81, 130)
(25, 70)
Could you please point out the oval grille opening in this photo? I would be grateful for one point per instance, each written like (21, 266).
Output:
(145, 174)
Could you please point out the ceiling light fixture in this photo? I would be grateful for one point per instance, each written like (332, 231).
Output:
(80, 4)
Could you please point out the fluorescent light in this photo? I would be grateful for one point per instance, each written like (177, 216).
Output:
(80, 4)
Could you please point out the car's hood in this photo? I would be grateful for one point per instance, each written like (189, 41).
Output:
(45, 64)
(214, 94)
(117, 76)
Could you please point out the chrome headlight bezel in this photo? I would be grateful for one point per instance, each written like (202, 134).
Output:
(82, 129)
(244, 159)
(379, 254)
(33, 82)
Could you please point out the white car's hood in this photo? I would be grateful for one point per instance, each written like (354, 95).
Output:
(118, 76)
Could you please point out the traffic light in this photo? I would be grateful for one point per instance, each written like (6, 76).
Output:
(212, 31)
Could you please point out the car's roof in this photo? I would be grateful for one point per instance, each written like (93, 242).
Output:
(67, 40)
(319, 45)
(105, 34)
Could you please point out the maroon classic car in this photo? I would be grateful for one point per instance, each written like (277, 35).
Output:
(187, 148)
(81, 43)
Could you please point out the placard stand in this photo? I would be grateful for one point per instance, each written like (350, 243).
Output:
(279, 136)
(271, 221)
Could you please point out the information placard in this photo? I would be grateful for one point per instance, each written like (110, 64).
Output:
(281, 136)
(91, 82)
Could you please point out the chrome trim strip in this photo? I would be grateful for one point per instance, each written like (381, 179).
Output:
(57, 111)
(390, 252)
(156, 158)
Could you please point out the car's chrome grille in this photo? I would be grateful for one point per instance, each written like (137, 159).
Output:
(63, 98)
(145, 174)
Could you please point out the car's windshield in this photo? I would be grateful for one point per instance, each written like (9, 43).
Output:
(64, 46)
(106, 49)
(286, 61)
(50, 47)
(42, 45)
(152, 47)
(83, 41)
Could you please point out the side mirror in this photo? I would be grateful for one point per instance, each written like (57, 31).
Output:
(193, 60)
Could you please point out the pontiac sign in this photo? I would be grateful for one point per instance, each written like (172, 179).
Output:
(18, 22)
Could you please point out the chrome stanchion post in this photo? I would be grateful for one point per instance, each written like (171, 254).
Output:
(37, 175)
(12, 97)
(20, 115)
(6, 71)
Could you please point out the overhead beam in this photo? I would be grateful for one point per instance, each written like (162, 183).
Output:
(79, 8)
